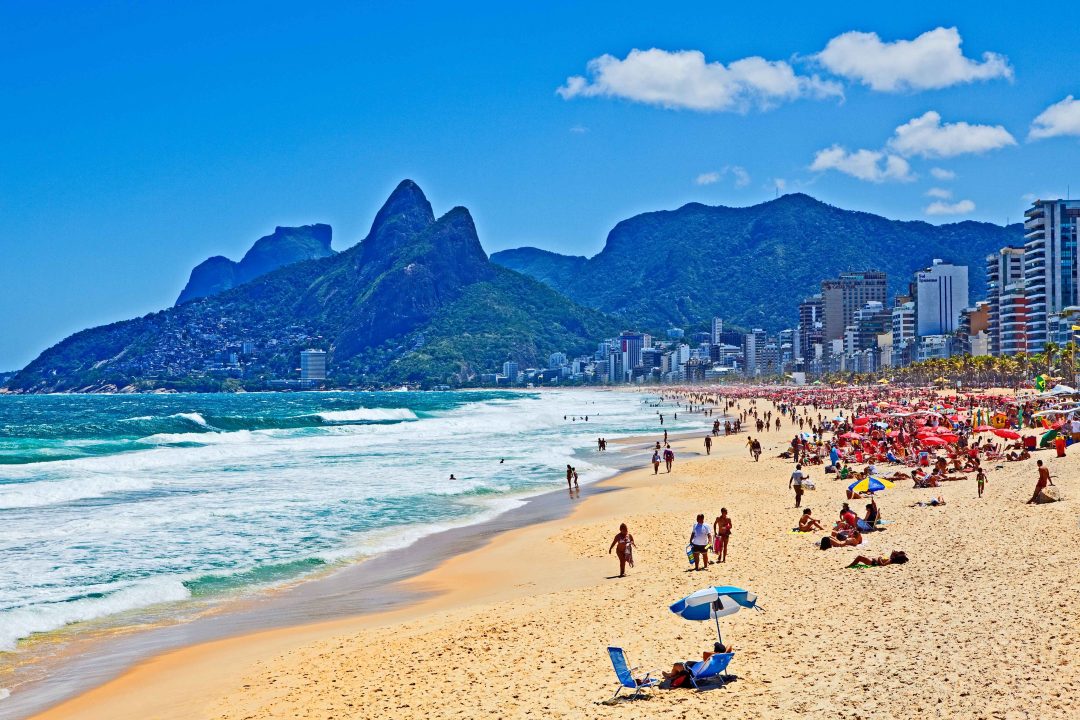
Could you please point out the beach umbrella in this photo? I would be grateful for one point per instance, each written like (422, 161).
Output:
(851, 436)
(983, 428)
(713, 603)
(1007, 434)
(933, 441)
(948, 437)
(870, 484)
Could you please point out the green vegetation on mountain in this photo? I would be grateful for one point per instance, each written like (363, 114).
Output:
(753, 265)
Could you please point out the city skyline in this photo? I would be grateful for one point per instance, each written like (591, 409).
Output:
(553, 123)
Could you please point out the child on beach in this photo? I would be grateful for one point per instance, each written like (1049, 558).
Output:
(980, 480)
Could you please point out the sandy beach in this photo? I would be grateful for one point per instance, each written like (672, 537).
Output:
(982, 622)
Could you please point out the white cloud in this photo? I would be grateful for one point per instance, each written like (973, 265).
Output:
(579, 129)
(928, 137)
(1061, 118)
(742, 178)
(870, 165)
(961, 207)
(932, 60)
(942, 174)
(684, 80)
(940, 193)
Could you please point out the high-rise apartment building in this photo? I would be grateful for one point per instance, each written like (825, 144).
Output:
(312, 365)
(1004, 269)
(1051, 277)
(845, 295)
(811, 325)
(941, 294)
(717, 330)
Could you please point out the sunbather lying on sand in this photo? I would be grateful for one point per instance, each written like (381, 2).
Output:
(843, 539)
(933, 503)
(896, 557)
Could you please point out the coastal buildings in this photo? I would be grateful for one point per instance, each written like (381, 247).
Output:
(843, 296)
(1007, 330)
(941, 295)
(1050, 266)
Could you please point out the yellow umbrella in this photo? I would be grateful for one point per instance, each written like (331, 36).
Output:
(871, 484)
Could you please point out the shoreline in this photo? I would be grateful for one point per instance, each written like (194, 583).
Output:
(361, 588)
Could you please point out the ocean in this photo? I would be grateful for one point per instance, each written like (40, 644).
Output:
(117, 510)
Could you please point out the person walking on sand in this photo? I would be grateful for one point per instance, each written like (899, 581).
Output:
(624, 549)
(756, 450)
(980, 480)
(708, 445)
(669, 457)
(796, 482)
(656, 462)
(569, 477)
(1044, 480)
(573, 472)
(750, 444)
(700, 538)
(722, 528)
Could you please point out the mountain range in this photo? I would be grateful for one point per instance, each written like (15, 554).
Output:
(418, 299)
(284, 247)
(752, 265)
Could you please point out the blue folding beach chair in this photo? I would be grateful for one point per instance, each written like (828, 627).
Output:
(711, 668)
(625, 673)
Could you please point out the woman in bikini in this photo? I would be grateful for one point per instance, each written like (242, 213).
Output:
(624, 549)
(722, 531)
(896, 557)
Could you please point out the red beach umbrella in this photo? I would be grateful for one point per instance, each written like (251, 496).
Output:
(933, 442)
(1008, 434)
(983, 428)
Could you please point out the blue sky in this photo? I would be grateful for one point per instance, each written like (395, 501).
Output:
(138, 139)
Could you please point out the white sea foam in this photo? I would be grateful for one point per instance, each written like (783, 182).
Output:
(4, 693)
(40, 494)
(202, 503)
(19, 623)
(366, 415)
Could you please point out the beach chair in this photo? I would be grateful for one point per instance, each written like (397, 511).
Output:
(714, 667)
(625, 673)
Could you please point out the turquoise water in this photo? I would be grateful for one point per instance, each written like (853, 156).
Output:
(114, 504)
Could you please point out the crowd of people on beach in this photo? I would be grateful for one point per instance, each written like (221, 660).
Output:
(866, 437)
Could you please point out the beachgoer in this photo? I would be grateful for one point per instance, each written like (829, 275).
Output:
(980, 480)
(655, 462)
(623, 545)
(1044, 480)
(796, 482)
(669, 457)
(896, 557)
(574, 471)
(708, 445)
(452, 476)
(843, 539)
(722, 528)
(700, 538)
(807, 523)
(569, 476)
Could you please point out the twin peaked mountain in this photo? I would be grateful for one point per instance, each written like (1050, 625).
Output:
(419, 300)
(416, 300)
